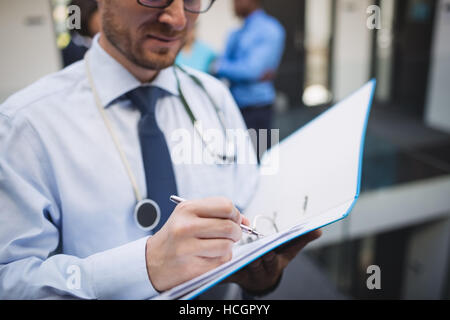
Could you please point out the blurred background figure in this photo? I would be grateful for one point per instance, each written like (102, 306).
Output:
(81, 39)
(196, 54)
(252, 56)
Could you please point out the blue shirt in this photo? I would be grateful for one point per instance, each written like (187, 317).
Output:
(200, 57)
(66, 201)
(251, 52)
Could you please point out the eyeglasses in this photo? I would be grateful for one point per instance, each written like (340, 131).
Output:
(193, 6)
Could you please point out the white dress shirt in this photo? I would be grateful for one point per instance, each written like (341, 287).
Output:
(66, 201)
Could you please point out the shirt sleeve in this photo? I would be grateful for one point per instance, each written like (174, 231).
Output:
(261, 51)
(31, 266)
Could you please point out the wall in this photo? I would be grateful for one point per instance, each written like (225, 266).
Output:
(28, 45)
(352, 47)
(318, 30)
(215, 25)
(437, 114)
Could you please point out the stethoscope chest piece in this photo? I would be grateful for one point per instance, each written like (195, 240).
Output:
(147, 214)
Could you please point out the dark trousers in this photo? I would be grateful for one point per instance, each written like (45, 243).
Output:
(258, 118)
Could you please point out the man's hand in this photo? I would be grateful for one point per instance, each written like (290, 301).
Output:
(198, 237)
(264, 273)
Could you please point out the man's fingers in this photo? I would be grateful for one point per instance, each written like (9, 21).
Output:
(214, 248)
(271, 262)
(217, 229)
(245, 221)
(213, 208)
(291, 249)
(256, 267)
(313, 235)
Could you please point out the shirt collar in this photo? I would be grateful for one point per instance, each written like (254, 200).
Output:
(112, 80)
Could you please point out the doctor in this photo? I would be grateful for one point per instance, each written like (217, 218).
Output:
(87, 165)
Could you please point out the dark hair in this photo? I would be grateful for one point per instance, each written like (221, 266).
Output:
(88, 8)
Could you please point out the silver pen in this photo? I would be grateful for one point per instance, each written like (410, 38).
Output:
(244, 228)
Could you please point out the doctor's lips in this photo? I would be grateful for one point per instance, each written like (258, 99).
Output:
(162, 38)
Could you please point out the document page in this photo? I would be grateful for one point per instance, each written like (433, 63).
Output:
(315, 168)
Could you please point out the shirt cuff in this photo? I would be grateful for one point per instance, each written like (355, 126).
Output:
(121, 273)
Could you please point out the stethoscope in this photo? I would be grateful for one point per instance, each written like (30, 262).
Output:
(147, 212)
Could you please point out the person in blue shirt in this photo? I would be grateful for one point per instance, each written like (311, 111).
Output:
(196, 54)
(252, 56)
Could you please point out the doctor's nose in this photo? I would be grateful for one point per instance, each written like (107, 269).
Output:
(174, 15)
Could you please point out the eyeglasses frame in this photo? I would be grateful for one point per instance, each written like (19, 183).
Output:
(169, 2)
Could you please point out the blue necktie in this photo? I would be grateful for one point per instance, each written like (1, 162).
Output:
(159, 174)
